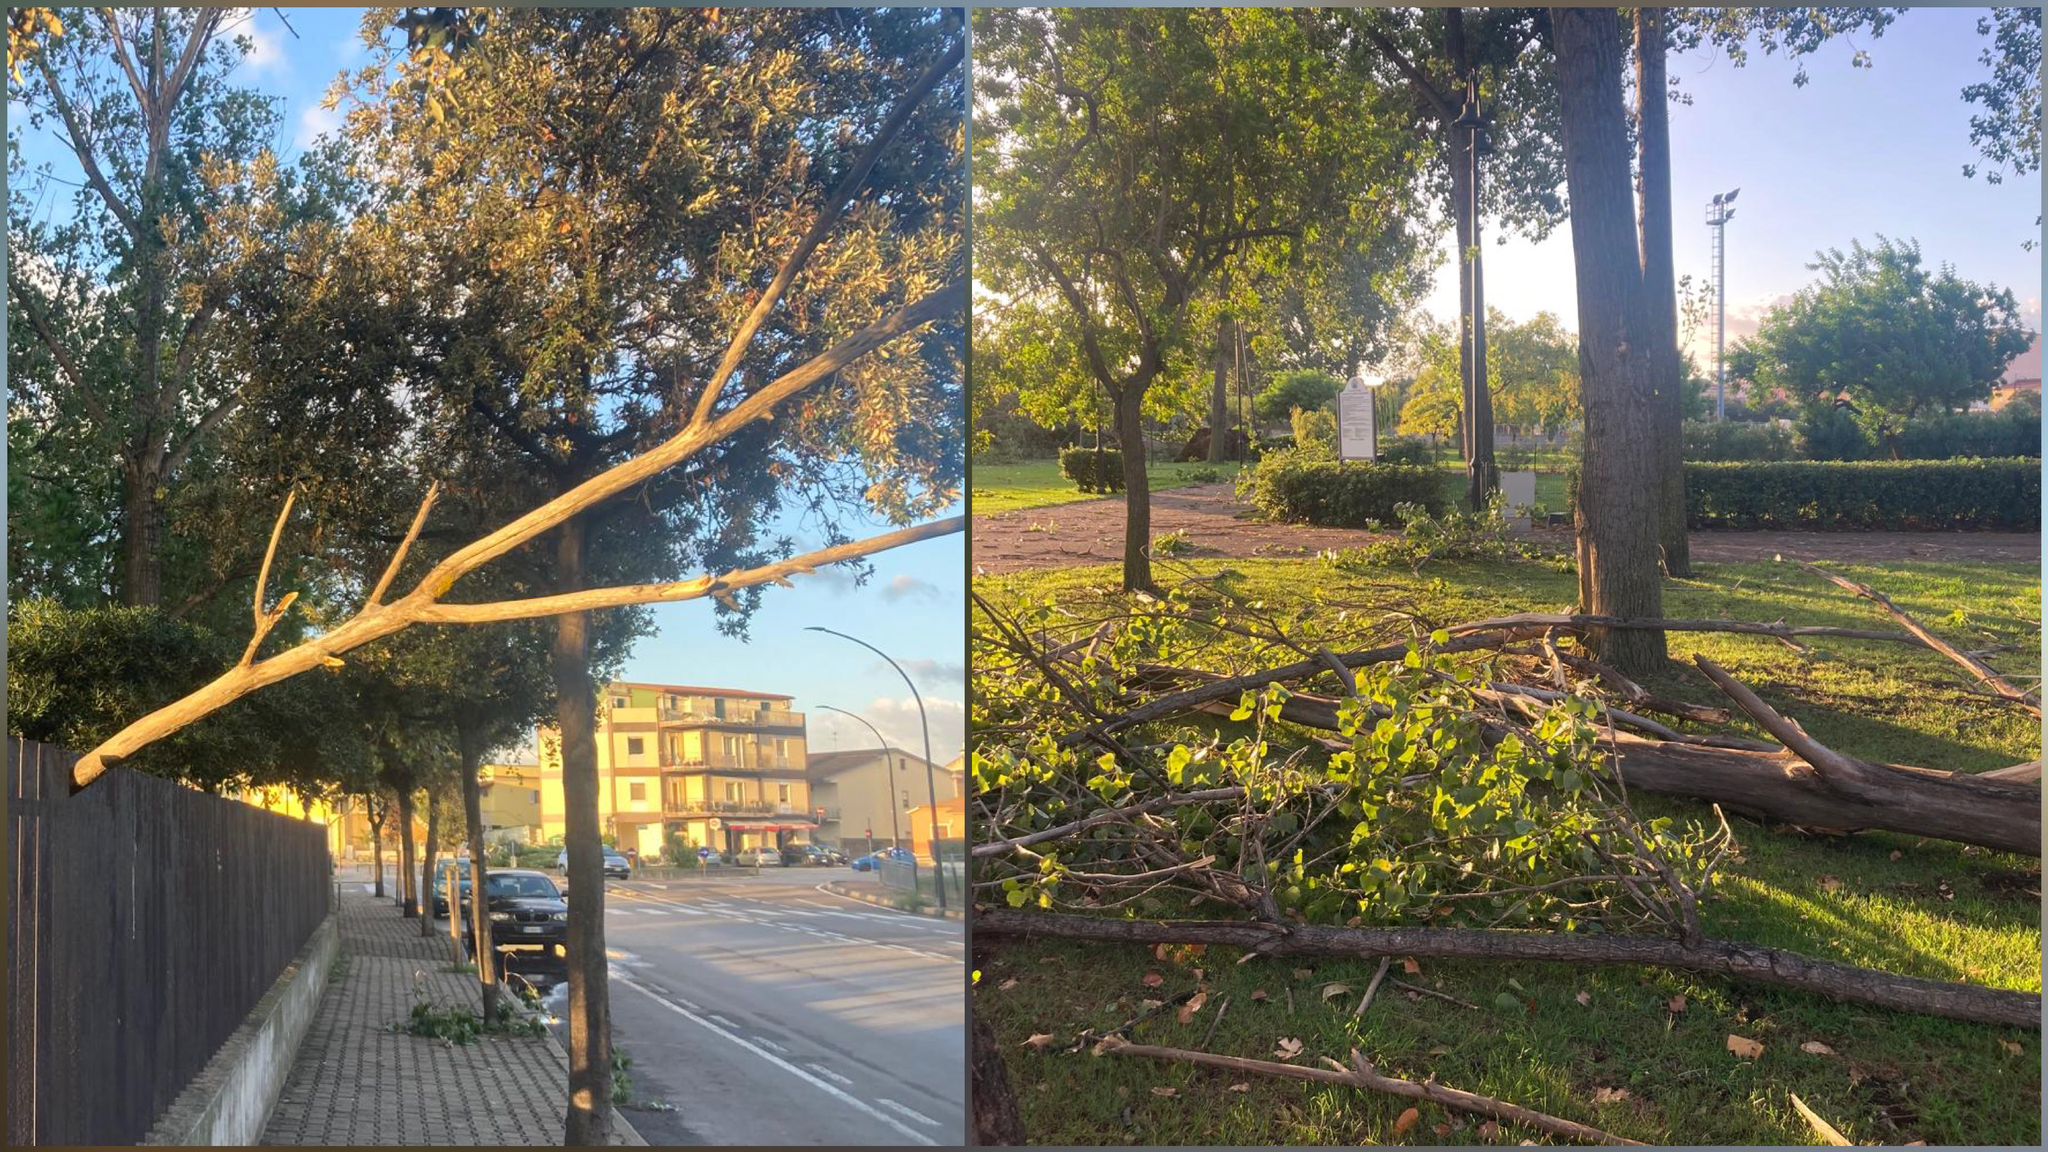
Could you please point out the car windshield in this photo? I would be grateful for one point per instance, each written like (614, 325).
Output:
(502, 885)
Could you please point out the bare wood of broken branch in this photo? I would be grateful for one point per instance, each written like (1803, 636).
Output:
(412, 535)
(1851, 776)
(1984, 673)
(266, 621)
(1362, 1075)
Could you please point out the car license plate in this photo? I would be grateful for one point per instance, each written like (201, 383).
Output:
(531, 929)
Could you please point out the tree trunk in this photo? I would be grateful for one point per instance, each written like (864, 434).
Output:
(1482, 474)
(406, 892)
(1748, 962)
(376, 848)
(479, 914)
(141, 537)
(1660, 288)
(1130, 434)
(1219, 398)
(997, 1122)
(589, 1118)
(1619, 494)
(427, 862)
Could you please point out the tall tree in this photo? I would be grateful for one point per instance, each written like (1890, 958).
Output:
(1114, 192)
(1619, 488)
(1660, 288)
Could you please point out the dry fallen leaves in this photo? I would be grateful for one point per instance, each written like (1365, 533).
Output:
(1609, 1095)
(1489, 1131)
(1406, 1121)
(1040, 1041)
(1304, 973)
(1331, 991)
(1584, 998)
(1194, 1005)
(1006, 985)
(1409, 966)
(1259, 994)
(1816, 1048)
(1676, 1005)
(1288, 1048)
(1165, 1090)
(1898, 855)
(2011, 1048)
(1154, 979)
(1744, 1047)
(1241, 1086)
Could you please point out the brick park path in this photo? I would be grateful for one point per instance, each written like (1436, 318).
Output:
(1090, 532)
(359, 1081)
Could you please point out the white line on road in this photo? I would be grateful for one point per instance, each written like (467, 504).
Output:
(829, 1074)
(767, 1043)
(831, 1090)
(903, 1110)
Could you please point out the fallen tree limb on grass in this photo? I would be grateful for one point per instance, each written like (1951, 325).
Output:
(1984, 673)
(1363, 1075)
(1776, 631)
(1756, 965)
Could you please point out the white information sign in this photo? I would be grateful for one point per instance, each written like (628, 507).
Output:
(1357, 438)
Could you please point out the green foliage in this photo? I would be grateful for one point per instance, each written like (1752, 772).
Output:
(1459, 534)
(2007, 127)
(1315, 433)
(1298, 388)
(1435, 406)
(2012, 431)
(455, 1025)
(1172, 543)
(1093, 469)
(622, 1076)
(1830, 432)
(1897, 337)
(1406, 451)
(1730, 440)
(1299, 487)
(2003, 495)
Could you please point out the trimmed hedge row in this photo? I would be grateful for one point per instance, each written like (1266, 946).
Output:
(1929, 495)
(1308, 490)
(1080, 466)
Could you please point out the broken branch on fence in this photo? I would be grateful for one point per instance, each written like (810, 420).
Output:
(1984, 673)
(1747, 962)
(1362, 1075)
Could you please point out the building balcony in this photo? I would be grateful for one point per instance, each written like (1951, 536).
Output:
(769, 719)
(782, 765)
(674, 808)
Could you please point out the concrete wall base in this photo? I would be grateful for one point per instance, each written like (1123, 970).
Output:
(231, 1099)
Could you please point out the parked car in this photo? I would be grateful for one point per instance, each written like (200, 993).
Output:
(819, 856)
(615, 864)
(758, 858)
(711, 858)
(872, 862)
(529, 924)
(441, 886)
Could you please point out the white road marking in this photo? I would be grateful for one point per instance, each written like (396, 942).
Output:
(832, 1090)
(829, 1074)
(716, 1018)
(903, 1110)
(767, 1043)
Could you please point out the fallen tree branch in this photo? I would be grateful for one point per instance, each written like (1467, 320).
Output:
(1362, 1075)
(1579, 622)
(1757, 965)
(1984, 673)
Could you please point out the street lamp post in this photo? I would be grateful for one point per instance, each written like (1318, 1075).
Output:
(1718, 215)
(889, 762)
(1483, 477)
(930, 772)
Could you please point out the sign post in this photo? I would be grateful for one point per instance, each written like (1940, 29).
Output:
(1358, 432)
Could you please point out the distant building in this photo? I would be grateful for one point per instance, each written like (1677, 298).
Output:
(952, 816)
(511, 802)
(2022, 378)
(717, 767)
(857, 791)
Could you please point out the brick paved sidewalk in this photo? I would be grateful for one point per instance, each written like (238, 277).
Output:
(357, 1081)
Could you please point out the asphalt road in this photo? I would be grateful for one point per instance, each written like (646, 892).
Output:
(766, 1011)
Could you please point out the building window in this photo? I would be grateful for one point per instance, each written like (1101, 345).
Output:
(618, 701)
(782, 793)
(732, 791)
(636, 791)
(636, 746)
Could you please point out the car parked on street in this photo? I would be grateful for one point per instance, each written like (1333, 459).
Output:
(820, 856)
(529, 920)
(441, 886)
(872, 862)
(759, 858)
(616, 866)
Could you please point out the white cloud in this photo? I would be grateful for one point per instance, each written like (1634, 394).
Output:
(314, 123)
(266, 45)
(907, 587)
(896, 719)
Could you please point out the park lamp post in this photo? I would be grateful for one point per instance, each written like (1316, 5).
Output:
(930, 773)
(1718, 215)
(1483, 476)
(889, 763)
(1371, 382)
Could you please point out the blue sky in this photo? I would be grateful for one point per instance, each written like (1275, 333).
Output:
(1854, 153)
(913, 608)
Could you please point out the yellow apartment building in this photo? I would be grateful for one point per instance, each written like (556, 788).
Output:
(718, 767)
(511, 802)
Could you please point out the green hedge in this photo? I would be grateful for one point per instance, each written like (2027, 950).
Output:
(1303, 489)
(1079, 465)
(2001, 494)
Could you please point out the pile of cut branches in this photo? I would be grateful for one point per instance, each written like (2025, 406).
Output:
(1363, 782)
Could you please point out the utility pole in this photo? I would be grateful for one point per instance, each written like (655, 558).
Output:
(1482, 474)
(1718, 215)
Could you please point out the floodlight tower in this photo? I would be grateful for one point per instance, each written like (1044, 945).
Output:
(1718, 215)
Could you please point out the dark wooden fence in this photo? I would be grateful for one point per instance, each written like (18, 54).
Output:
(147, 919)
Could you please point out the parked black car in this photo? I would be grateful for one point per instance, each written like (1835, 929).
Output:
(819, 855)
(441, 886)
(529, 925)
(615, 865)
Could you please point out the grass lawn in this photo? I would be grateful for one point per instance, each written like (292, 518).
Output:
(1655, 1040)
(1038, 483)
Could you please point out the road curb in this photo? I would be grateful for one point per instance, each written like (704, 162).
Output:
(833, 886)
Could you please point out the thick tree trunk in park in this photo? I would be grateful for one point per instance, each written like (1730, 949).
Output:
(1219, 397)
(997, 1122)
(1746, 962)
(407, 894)
(1130, 434)
(427, 852)
(1660, 287)
(142, 519)
(479, 873)
(589, 1117)
(1619, 487)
